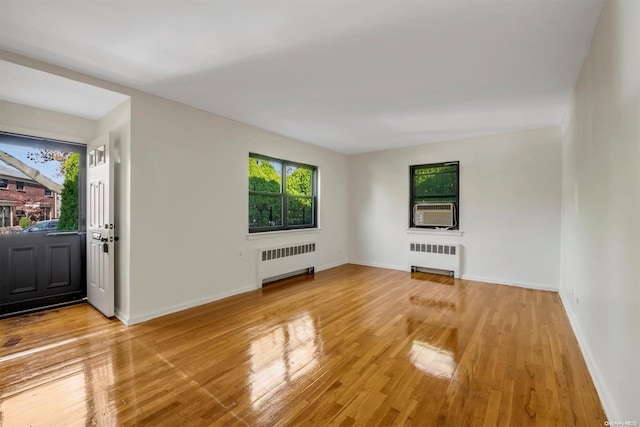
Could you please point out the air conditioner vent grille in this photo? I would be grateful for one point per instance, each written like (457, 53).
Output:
(434, 207)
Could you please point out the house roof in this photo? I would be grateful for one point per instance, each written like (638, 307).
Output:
(10, 172)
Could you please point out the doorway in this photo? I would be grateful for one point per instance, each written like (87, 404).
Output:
(42, 223)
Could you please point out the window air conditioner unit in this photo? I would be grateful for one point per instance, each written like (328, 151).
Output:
(433, 214)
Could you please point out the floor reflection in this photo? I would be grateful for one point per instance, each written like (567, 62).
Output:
(433, 320)
(62, 399)
(70, 391)
(100, 381)
(432, 360)
(281, 356)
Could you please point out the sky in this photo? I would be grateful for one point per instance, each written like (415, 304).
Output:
(49, 169)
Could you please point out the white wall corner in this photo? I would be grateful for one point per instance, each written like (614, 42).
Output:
(606, 398)
(123, 318)
(567, 118)
(332, 265)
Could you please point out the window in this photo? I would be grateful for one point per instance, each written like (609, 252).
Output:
(40, 226)
(282, 194)
(46, 213)
(62, 163)
(5, 216)
(4, 183)
(434, 201)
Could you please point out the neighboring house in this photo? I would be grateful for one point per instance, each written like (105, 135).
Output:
(21, 196)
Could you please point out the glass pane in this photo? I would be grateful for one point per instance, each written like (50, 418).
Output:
(435, 183)
(265, 175)
(299, 181)
(265, 211)
(37, 202)
(299, 211)
(100, 155)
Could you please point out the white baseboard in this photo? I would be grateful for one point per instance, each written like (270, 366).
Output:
(334, 265)
(124, 319)
(186, 305)
(608, 403)
(128, 321)
(510, 283)
(378, 265)
(464, 277)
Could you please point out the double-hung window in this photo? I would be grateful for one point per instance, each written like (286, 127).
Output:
(282, 194)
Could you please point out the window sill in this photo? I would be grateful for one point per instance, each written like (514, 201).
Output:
(281, 233)
(433, 232)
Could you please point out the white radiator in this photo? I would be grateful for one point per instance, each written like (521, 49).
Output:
(437, 256)
(279, 261)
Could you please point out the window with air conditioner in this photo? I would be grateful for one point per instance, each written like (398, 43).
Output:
(434, 198)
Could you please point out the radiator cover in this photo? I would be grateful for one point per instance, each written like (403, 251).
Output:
(438, 256)
(276, 261)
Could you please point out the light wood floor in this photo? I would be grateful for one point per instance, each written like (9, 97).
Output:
(353, 346)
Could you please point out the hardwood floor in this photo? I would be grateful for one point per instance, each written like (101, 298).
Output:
(353, 346)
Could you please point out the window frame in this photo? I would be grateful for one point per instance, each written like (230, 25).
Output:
(412, 195)
(20, 186)
(4, 184)
(284, 197)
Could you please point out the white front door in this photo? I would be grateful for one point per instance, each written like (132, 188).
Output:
(100, 225)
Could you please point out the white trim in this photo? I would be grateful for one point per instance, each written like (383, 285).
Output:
(282, 233)
(606, 398)
(434, 232)
(378, 265)
(333, 265)
(466, 277)
(184, 306)
(43, 134)
(527, 285)
(121, 317)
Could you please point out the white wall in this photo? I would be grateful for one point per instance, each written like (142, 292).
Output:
(189, 205)
(600, 280)
(191, 165)
(509, 206)
(26, 120)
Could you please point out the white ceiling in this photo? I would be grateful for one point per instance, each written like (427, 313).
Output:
(27, 86)
(350, 75)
